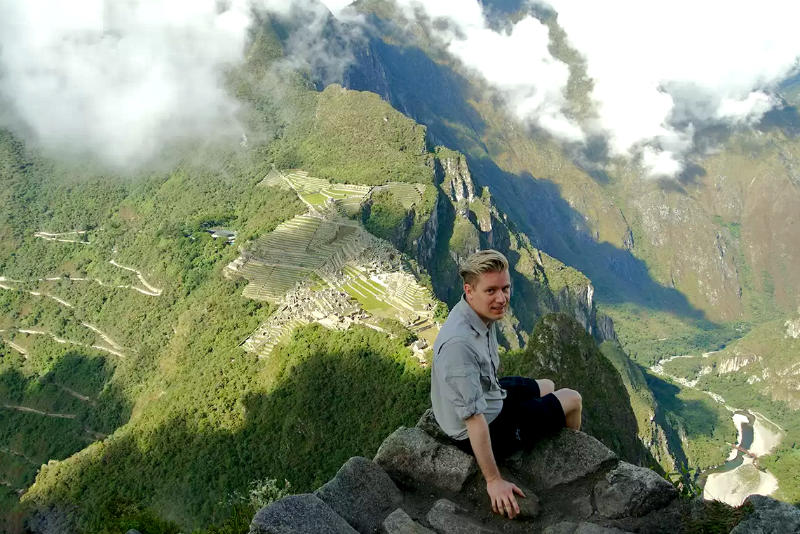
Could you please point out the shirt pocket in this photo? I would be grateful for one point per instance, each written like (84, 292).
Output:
(488, 379)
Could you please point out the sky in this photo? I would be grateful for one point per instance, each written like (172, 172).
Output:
(121, 79)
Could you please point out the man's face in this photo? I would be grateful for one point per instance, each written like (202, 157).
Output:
(490, 295)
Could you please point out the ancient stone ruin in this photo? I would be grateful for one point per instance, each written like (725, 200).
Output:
(418, 483)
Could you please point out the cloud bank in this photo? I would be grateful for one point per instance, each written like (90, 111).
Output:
(516, 60)
(122, 80)
(663, 70)
(118, 78)
(659, 71)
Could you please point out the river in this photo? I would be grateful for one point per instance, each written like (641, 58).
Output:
(740, 476)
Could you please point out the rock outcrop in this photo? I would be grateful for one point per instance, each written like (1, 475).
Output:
(769, 517)
(420, 483)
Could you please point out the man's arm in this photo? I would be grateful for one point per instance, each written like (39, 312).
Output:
(501, 492)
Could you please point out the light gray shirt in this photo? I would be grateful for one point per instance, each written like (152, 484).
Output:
(464, 375)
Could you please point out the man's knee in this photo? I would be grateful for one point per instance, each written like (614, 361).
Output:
(570, 399)
(545, 386)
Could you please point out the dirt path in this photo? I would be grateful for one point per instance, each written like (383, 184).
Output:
(74, 393)
(60, 301)
(47, 238)
(26, 409)
(103, 335)
(58, 237)
(153, 291)
(6, 483)
(38, 294)
(94, 434)
(12, 452)
(18, 348)
(77, 343)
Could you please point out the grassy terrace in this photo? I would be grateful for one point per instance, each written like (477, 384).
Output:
(293, 251)
(316, 191)
(297, 249)
(407, 303)
(407, 194)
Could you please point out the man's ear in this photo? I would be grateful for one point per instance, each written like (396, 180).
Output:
(467, 290)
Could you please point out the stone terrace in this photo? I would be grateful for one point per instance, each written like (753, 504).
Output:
(278, 261)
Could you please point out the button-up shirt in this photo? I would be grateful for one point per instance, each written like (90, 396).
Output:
(464, 375)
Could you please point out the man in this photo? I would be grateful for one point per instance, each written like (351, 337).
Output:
(485, 416)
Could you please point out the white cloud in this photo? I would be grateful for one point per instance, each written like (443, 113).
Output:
(120, 80)
(515, 60)
(661, 70)
(336, 6)
(117, 78)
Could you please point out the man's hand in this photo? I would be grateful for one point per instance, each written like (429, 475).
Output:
(501, 493)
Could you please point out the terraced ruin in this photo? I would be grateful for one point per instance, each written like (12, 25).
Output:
(318, 193)
(323, 267)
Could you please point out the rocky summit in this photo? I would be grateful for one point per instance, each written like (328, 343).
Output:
(419, 483)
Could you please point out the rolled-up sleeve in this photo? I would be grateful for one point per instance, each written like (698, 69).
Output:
(460, 378)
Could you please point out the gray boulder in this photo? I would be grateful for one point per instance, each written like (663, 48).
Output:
(399, 522)
(447, 518)
(769, 517)
(567, 457)
(429, 424)
(298, 514)
(412, 456)
(362, 493)
(568, 527)
(529, 505)
(629, 490)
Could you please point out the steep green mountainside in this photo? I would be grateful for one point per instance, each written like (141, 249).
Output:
(128, 399)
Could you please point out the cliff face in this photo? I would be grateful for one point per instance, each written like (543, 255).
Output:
(560, 349)
(478, 223)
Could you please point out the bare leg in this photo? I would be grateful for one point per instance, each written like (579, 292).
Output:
(572, 404)
(545, 386)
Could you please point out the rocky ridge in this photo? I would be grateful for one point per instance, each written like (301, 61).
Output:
(419, 483)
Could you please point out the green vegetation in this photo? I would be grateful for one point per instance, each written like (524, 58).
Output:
(357, 138)
(702, 427)
(641, 398)
(734, 228)
(304, 403)
(649, 336)
(561, 350)
(715, 518)
(385, 217)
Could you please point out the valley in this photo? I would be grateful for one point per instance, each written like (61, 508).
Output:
(250, 312)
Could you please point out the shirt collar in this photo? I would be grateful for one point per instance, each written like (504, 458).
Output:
(472, 318)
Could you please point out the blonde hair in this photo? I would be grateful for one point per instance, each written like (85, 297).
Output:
(483, 261)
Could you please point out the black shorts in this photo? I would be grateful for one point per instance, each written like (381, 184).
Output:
(525, 418)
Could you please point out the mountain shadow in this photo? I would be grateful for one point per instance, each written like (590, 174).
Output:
(51, 417)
